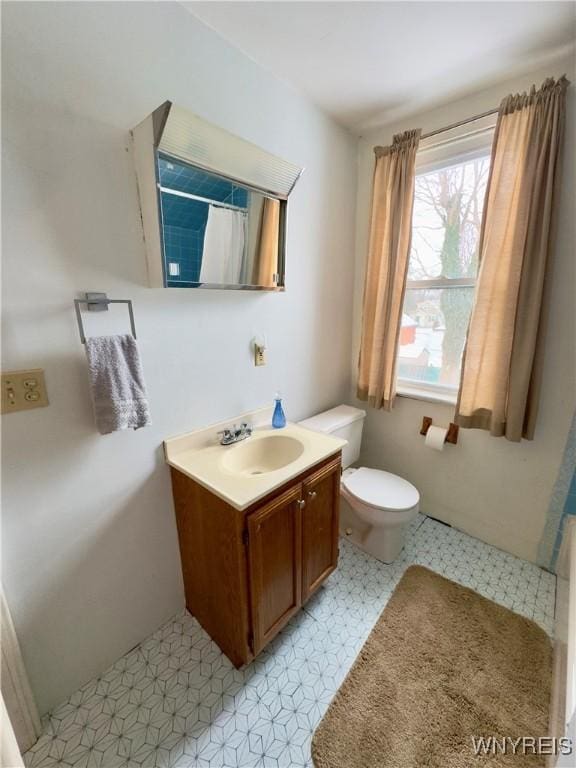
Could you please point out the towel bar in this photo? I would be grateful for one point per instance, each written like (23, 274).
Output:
(98, 302)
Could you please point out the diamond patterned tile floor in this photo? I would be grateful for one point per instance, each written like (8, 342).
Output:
(176, 700)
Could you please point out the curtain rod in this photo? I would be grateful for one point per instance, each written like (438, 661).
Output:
(459, 123)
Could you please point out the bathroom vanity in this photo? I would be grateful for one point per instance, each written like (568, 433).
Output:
(258, 530)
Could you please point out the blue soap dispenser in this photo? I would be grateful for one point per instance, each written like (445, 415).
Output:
(278, 418)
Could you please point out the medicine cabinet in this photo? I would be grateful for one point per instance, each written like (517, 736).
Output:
(213, 205)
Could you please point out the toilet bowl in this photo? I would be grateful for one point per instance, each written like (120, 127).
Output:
(377, 506)
(386, 503)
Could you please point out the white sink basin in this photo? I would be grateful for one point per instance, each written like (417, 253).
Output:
(246, 472)
(261, 455)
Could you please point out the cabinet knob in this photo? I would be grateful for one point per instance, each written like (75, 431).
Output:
(301, 504)
(312, 494)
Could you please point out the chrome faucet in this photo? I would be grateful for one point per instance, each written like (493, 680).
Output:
(234, 435)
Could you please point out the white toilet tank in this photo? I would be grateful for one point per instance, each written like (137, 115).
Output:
(344, 421)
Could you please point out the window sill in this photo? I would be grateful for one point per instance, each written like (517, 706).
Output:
(426, 394)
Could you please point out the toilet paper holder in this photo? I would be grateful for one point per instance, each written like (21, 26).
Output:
(451, 435)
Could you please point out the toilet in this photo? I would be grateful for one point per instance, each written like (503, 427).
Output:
(377, 506)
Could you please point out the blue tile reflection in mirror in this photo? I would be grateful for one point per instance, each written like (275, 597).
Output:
(191, 196)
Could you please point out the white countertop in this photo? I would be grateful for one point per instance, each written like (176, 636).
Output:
(200, 456)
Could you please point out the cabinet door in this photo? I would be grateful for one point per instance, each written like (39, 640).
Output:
(321, 494)
(274, 565)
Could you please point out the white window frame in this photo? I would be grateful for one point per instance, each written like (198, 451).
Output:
(443, 150)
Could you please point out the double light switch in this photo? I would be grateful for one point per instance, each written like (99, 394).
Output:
(22, 390)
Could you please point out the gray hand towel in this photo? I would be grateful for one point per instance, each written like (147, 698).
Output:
(117, 382)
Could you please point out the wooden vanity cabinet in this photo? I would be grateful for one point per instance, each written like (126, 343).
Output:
(246, 573)
(274, 559)
(319, 528)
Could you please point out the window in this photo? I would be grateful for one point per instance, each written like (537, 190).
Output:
(448, 203)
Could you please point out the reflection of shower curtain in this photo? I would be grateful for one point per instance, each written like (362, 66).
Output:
(266, 264)
(223, 246)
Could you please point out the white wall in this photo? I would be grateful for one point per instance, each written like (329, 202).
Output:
(488, 487)
(90, 561)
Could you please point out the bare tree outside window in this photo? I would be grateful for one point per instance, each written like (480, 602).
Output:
(442, 270)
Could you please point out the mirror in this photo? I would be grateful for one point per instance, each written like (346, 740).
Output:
(216, 232)
(212, 205)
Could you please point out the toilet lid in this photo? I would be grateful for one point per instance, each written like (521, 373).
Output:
(382, 490)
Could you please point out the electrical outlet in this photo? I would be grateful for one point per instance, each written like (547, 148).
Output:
(22, 390)
(259, 355)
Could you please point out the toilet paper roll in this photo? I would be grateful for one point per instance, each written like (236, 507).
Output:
(435, 438)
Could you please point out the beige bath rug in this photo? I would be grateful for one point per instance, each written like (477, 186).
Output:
(442, 665)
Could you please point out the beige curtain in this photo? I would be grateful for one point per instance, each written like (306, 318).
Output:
(503, 357)
(385, 282)
(266, 264)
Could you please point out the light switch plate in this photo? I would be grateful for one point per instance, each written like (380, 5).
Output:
(23, 390)
(259, 355)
